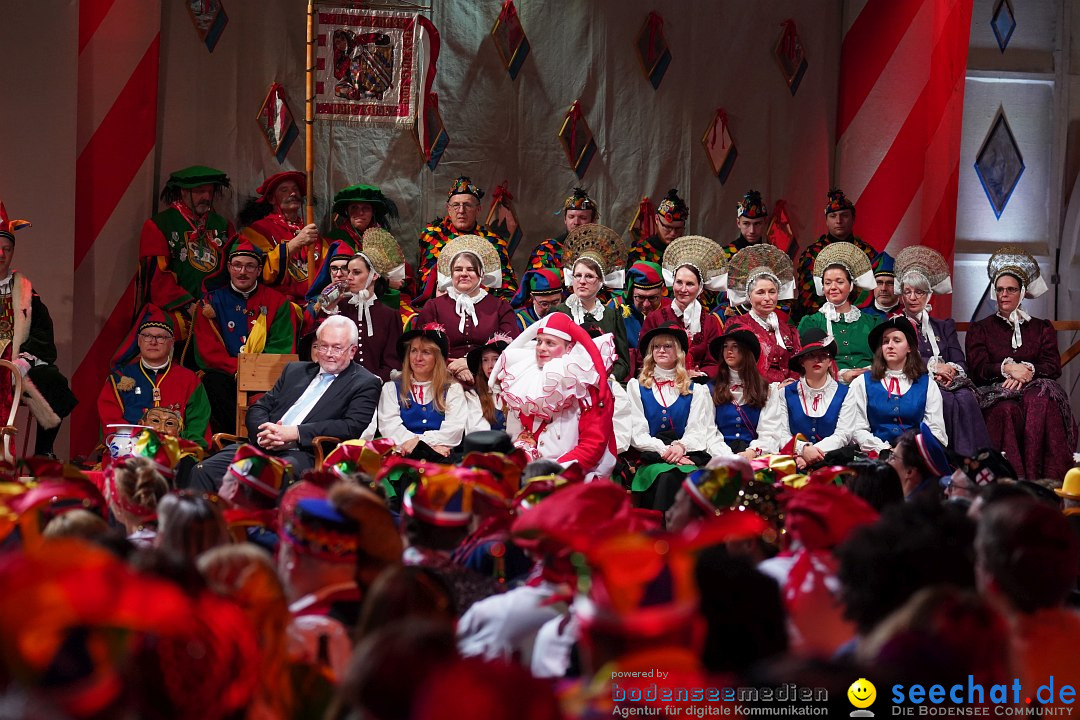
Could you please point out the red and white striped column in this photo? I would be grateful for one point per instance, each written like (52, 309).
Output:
(114, 185)
(899, 115)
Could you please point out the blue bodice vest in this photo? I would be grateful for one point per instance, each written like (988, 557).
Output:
(814, 429)
(420, 418)
(665, 419)
(890, 415)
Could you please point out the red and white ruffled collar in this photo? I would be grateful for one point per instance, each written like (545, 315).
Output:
(560, 384)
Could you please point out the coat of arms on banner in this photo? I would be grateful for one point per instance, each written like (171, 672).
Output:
(577, 140)
(365, 66)
(209, 19)
(277, 123)
(791, 55)
(510, 39)
(719, 146)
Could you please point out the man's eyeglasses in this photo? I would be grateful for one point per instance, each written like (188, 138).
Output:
(244, 267)
(331, 350)
(461, 205)
(339, 269)
(154, 339)
(646, 299)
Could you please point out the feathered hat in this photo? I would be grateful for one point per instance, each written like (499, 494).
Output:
(9, 227)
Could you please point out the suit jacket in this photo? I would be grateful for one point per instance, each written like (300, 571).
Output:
(344, 410)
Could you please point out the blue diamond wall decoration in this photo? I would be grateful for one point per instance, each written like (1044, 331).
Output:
(999, 163)
(1003, 23)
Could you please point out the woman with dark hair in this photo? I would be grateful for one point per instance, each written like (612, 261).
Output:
(189, 524)
(920, 461)
(896, 395)
(692, 265)
(801, 418)
(876, 482)
(841, 271)
(483, 412)
(1013, 359)
(739, 393)
(424, 410)
(467, 266)
(671, 417)
(594, 254)
(351, 292)
(920, 272)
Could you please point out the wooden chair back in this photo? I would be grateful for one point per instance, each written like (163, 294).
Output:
(255, 374)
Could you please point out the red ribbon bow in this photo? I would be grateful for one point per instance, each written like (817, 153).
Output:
(418, 393)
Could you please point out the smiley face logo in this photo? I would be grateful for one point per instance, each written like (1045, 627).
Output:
(862, 694)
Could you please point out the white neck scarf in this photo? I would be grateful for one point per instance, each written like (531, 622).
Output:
(465, 304)
(691, 316)
(363, 301)
(577, 310)
(923, 319)
(770, 323)
(1015, 318)
(832, 314)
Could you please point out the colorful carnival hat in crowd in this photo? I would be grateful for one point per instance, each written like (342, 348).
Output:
(355, 456)
(846, 256)
(9, 227)
(316, 528)
(751, 206)
(442, 498)
(464, 186)
(643, 275)
(715, 489)
(759, 261)
(672, 208)
(538, 282)
(836, 200)
(260, 472)
(580, 200)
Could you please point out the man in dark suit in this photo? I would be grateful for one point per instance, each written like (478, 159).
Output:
(333, 396)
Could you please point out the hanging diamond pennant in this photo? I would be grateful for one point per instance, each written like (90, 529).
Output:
(209, 19)
(653, 50)
(643, 224)
(1003, 22)
(276, 122)
(430, 133)
(780, 232)
(510, 39)
(719, 146)
(791, 55)
(577, 140)
(999, 163)
(502, 220)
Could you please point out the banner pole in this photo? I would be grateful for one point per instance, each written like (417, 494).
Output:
(309, 132)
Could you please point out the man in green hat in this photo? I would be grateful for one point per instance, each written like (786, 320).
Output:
(184, 244)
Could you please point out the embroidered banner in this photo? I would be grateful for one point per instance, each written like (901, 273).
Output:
(365, 66)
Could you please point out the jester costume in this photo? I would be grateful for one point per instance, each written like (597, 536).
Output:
(671, 209)
(178, 250)
(168, 398)
(548, 254)
(288, 272)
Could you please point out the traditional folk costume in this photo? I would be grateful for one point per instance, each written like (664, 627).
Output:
(168, 398)
(670, 210)
(877, 412)
(776, 336)
(735, 423)
(603, 246)
(179, 250)
(476, 422)
(921, 267)
(643, 276)
(809, 302)
(706, 259)
(469, 320)
(26, 339)
(418, 416)
(751, 206)
(800, 415)
(229, 322)
(549, 253)
(661, 416)
(884, 266)
(440, 232)
(563, 411)
(852, 328)
(546, 283)
(378, 326)
(288, 273)
(1033, 426)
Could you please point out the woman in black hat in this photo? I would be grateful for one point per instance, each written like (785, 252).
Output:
(484, 413)
(739, 393)
(671, 417)
(896, 395)
(801, 419)
(424, 410)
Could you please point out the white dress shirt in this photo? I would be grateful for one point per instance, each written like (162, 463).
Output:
(696, 435)
(449, 433)
(774, 430)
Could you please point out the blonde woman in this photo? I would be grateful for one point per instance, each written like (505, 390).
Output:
(671, 417)
(424, 411)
